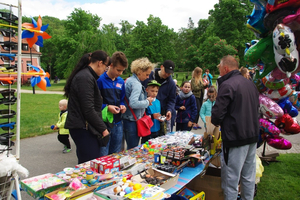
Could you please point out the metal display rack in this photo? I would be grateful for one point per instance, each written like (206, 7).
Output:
(11, 180)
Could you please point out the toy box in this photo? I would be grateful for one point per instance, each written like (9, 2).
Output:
(73, 196)
(171, 179)
(105, 165)
(40, 185)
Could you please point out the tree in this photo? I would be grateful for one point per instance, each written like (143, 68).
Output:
(229, 23)
(80, 20)
(153, 40)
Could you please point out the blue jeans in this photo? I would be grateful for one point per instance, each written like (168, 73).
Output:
(115, 141)
(130, 133)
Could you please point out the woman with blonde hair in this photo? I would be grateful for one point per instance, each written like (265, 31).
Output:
(136, 96)
(245, 72)
(198, 87)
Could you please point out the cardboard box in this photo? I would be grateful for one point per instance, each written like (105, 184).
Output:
(41, 192)
(171, 178)
(210, 183)
(74, 195)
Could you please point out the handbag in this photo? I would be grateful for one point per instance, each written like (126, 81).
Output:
(102, 140)
(143, 124)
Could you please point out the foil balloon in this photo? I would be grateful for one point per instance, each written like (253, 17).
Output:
(295, 78)
(262, 51)
(275, 95)
(256, 19)
(279, 143)
(273, 5)
(272, 19)
(295, 100)
(293, 21)
(274, 84)
(287, 123)
(286, 54)
(269, 127)
(269, 108)
(261, 138)
(259, 83)
(287, 107)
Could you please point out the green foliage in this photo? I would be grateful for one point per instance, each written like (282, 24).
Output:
(153, 40)
(280, 180)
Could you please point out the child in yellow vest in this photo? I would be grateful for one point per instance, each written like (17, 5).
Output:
(63, 134)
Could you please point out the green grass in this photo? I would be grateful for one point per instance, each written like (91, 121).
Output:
(280, 180)
(38, 113)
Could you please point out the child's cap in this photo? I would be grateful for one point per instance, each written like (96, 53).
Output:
(153, 82)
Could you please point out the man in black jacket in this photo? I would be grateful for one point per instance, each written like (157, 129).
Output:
(236, 111)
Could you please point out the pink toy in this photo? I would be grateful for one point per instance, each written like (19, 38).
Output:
(279, 143)
(269, 127)
(269, 108)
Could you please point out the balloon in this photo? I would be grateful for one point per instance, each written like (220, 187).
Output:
(275, 95)
(293, 20)
(272, 19)
(287, 123)
(287, 107)
(269, 108)
(273, 5)
(286, 54)
(274, 84)
(279, 143)
(294, 100)
(261, 138)
(256, 19)
(259, 83)
(269, 127)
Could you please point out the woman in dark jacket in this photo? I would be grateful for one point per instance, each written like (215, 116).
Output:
(84, 119)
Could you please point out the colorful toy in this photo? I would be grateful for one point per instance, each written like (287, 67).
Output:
(279, 143)
(288, 107)
(287, 123)
(42, 81)
(276, 95)
(255, 20)
(35, 37)
(293, 21)
(269, 127)
(269, 108)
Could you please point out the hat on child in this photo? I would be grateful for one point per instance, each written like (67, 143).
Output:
(153, 82)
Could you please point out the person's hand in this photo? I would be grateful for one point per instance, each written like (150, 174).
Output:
(182, 108)
(123, 108)
(168, 115)
(156, 115)
(105, 133)
(150, 99)
(190, 124)
(113, 109)
(55, 127)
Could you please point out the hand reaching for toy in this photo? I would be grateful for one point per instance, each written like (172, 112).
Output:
(156, 115)
(168, 115)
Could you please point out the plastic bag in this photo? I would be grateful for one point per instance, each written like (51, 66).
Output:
(259, 167)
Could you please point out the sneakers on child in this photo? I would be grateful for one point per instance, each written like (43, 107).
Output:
(66, 150)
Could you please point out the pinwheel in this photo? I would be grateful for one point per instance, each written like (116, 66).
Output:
(42, 81)
(36, 34)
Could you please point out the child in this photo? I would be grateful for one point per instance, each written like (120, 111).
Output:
(205, 81)
(153, 110)
(186, 108)
(207, 105)
(63, 134)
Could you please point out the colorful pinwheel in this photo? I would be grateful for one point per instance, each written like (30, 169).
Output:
(42, 81)
(37, 35)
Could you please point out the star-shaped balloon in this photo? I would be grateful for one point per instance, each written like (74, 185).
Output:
(36, 34)
(42, 81)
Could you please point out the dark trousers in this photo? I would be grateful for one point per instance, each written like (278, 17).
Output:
(182, 127)
(64, 139)
(199, 102)
(152, 135)
(87, 146)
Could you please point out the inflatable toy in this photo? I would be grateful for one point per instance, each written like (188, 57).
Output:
(269, 108)
(269, 127)
(287, 107)
(287, 123)
(279, 143)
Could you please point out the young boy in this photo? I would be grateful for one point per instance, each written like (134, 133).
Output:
(63, 134)
(112, 89)
(153, 110)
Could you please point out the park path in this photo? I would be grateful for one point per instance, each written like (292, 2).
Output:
(42, 92)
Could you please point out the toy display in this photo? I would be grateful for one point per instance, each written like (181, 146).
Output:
(277, 52)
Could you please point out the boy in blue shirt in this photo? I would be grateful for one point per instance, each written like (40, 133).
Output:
(112, 89)
(153, 110)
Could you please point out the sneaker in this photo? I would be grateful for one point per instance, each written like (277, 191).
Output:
(66, 150)
(195, 127)
(65, 147)
(199, 127)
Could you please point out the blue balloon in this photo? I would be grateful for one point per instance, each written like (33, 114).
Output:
(287, 107)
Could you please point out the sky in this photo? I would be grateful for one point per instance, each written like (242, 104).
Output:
(173, 13)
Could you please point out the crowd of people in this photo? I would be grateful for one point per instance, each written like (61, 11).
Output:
(103, 109)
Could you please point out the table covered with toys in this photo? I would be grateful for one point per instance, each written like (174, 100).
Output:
(158, 169)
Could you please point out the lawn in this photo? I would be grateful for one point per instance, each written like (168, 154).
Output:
(38, 113)
(280, 180)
